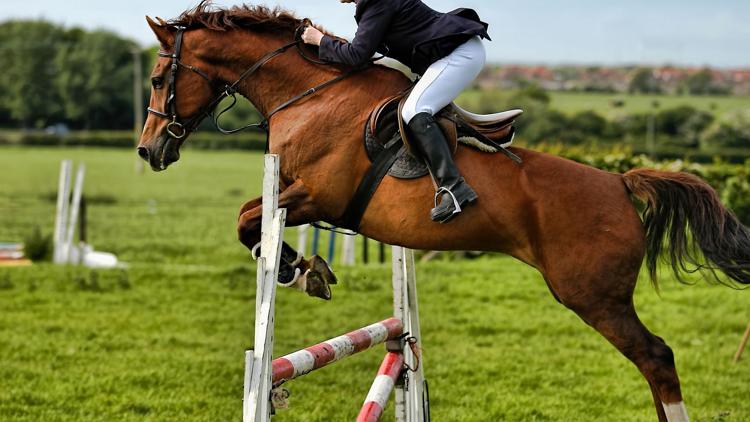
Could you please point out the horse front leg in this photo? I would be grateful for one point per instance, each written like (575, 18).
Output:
(311, 276)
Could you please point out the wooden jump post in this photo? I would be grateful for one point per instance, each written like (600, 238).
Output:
(264, 376)
(743, 343)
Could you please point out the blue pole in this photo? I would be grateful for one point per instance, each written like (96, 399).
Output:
(315, 241)
(332, 248)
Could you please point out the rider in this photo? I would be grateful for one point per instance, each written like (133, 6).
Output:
(445, 49)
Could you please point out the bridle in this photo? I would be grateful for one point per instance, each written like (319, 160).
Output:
(178, 129)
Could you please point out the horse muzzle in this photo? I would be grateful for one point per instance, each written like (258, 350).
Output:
(165, 151)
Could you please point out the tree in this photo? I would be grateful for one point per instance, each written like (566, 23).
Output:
(543, 125)
(692, 129)
(702, 83)
(95, 80)
(731, 132)
(28, 49)
(532, 92)
(674, 121)
(643, 82)
(589, 123)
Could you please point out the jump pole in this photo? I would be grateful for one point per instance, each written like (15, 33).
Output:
(262, 374)
(61, 215)
(304, 361)
(75, 208)
(743, 343)
(67, 212)
(388, 375)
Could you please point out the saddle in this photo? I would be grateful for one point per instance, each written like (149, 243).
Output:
(385, 129)
(387, 145)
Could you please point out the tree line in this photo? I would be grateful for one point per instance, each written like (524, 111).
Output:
(683, 127)
(57, 75)
(82, 79)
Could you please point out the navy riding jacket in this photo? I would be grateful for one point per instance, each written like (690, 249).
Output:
(406, 30)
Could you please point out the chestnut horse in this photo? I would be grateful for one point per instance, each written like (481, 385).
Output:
(577, 225)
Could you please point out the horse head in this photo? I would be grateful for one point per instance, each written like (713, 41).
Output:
(182, 86)
(209, 54)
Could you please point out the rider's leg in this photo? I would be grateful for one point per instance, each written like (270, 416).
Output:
(439, 86)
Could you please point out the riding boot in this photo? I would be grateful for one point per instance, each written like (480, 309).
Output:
(453, 192)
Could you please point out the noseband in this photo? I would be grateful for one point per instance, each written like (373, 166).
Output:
(179, 130)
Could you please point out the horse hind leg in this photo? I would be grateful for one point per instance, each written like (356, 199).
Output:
(620, 325)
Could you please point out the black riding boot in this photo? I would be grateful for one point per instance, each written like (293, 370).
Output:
(453, 192)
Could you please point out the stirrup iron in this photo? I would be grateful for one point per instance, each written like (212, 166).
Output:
(456, 205)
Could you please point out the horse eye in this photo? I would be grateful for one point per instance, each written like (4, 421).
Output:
(157, 82)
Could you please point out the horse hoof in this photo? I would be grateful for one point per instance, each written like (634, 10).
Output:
(319, 265)
(315, 286)
(287, 274)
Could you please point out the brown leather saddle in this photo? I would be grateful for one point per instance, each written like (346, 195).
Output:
(489, 133)
(386, 142)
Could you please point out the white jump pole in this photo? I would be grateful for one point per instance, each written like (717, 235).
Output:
(61, 214)
(347, 253)
(302, 239)
(256, 404)
(75, 208)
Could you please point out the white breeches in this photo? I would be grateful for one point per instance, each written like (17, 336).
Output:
(445, 79)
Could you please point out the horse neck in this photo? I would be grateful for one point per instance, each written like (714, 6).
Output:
(279, 79)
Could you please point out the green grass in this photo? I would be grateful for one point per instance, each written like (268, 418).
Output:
(164, 339)
(573, 102)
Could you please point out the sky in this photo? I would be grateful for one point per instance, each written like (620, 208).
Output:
(596, 32)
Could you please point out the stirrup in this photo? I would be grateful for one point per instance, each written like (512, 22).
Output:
(442, 190)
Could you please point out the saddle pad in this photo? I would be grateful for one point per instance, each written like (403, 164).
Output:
(406, 166)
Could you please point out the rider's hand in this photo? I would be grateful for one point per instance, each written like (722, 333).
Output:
(312, 36)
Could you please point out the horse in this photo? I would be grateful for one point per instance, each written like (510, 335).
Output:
(577, 225)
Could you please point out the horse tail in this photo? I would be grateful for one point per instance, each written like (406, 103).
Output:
(679, 203)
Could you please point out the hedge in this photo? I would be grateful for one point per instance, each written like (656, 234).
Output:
(124, 139)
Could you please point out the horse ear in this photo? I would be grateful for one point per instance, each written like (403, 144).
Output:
(163, 33)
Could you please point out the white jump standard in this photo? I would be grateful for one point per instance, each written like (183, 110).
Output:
(401, 370)
(71, 211)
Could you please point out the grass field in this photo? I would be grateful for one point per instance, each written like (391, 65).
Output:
(163, 340)
(574, 102)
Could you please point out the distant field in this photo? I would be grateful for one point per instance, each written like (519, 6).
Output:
(164, 339)
(573, 102)
(603, 103)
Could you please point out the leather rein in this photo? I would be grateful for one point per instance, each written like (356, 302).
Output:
(178, 129)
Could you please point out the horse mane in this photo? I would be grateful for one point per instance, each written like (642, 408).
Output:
(258, 18)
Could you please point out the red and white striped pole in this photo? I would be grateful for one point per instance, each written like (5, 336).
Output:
(382, 387)
(315, 357)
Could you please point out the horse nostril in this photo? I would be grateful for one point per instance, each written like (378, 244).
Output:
(143, 153)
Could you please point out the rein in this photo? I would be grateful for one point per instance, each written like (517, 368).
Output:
(178, 130)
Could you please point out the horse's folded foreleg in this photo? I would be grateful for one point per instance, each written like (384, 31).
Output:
(311, 276)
